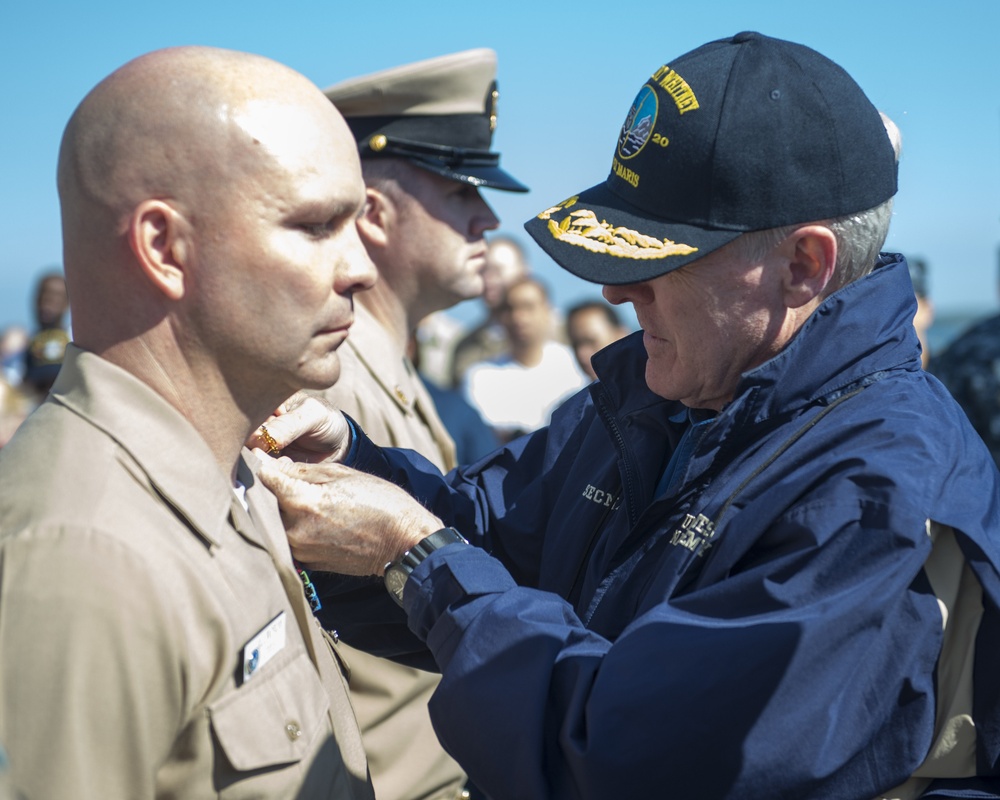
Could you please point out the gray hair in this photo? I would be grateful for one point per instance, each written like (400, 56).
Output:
(860, 236)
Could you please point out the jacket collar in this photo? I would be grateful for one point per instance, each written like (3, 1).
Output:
(621, 377)
(857, 333)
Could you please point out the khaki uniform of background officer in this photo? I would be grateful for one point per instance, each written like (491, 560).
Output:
(424, 132)
(154, 636)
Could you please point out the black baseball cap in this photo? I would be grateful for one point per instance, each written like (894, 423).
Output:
(439, 114)
(738, 135)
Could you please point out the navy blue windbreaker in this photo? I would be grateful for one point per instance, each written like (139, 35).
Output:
(770, 627)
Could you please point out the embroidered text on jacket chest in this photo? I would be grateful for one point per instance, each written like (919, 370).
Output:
(601, 497)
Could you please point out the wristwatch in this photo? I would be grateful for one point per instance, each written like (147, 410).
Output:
(397, 572)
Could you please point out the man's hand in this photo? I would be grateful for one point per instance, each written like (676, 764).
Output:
(341, 520)
(304, 428)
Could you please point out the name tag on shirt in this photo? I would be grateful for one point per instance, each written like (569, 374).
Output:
(264, 646)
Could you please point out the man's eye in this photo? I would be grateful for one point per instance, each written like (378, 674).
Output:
(466, 192)
(317, 229)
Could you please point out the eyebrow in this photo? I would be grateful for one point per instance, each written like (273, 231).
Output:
(327, 209)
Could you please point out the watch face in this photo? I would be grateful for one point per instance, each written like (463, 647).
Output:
(395, 580)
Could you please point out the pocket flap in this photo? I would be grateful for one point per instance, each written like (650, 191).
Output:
(273, 719)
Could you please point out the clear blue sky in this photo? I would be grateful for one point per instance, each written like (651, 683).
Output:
(567, 74)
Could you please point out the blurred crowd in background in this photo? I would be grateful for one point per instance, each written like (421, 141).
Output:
(502, 375)
(30, 359)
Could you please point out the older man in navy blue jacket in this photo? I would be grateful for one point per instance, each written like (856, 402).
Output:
(758, 558)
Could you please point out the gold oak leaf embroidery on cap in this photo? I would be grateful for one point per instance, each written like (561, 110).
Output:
(582, 229)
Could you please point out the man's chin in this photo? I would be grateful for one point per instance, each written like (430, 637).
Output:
(321, 376)
(471, 289)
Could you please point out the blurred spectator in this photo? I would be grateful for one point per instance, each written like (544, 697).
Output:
(13, 346)
(924, 317)
(47, 346)
(436, 335)
(970, 369)
(15, 406)
(505, 263)
(473, 437)
(517, 392)
(592, 326)
(29, 363)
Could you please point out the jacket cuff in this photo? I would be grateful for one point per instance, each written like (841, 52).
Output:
(447, 591)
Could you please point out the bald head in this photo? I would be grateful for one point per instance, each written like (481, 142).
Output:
(209, 201)
(190, 126)
(186, 125)
(168, 123)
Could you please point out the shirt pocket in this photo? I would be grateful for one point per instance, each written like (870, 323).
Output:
(277, 718)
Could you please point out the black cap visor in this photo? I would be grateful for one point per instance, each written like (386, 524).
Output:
(601, 238)
(476, 167)
(489, 177)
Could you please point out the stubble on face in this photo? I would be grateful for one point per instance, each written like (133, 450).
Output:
(439, 240)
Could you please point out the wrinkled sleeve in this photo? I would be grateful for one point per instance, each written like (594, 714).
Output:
(819, 686)
(501, 503)
(90, 690)
(504, 502)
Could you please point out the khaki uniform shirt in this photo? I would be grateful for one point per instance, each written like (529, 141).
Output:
(136, 595)
(383, 393)
(381, 390)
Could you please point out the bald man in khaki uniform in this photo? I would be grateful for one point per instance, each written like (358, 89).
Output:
(424, 132)
(154, 637)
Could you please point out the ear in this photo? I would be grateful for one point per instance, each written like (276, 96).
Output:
(158, 237)
(376, 219)
(811, 255)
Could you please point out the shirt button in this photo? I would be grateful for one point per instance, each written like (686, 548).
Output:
(293, 730)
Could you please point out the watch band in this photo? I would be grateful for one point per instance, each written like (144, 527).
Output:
(398, 572)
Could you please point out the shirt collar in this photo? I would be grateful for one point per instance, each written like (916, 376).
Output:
(178, 463)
